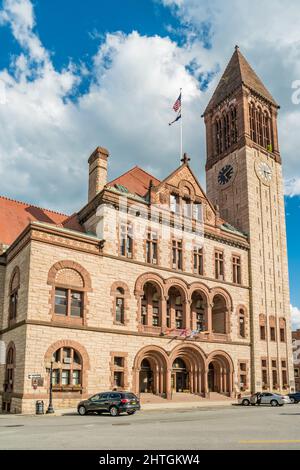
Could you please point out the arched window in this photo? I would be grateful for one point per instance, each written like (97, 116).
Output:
(13, 294)
(252, 119)
(175, 308)
(266, 131)
(262, 326)
(233, 125)
(66, 370)
(120, 305)
(260, 126)
(10, 369)
(219, 147)
(226, 131)
(242, 323)
(120, 293)
(70, 284)
(199, 312)
(282, 330)
(151, 305)
(219, 314)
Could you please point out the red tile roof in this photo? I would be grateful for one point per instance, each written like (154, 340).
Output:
(16, 215)
(136, 181)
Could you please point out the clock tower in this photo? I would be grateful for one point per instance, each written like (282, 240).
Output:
(244, 178)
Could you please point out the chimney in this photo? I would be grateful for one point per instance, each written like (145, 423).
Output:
(97, 171)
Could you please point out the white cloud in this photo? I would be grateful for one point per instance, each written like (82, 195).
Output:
(46, 138)
(268, 34)
(295, 317)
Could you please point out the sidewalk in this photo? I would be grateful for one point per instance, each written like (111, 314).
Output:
(168, 405)
(165, 405)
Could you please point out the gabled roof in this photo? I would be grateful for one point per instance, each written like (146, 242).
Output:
(16, 215)
(136, 180)
(237, 73)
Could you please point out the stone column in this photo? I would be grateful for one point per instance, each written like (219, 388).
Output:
(209, 318)
(163, 312)
(168, 384)
(186, 314)
(206, 393)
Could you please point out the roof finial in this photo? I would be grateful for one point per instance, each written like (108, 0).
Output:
(236, 47)
(185, 158)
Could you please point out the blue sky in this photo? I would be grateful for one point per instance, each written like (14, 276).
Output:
(77, 74)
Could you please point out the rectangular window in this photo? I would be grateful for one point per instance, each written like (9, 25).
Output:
(282, 335)
(55, 377)
(76, 304)
(76, 377)
(274, 378)
(118, 361)
(177, 254)
(151, 248)
(118, 379)
(198, 261)
(61, 301)
(272, 333)
(262, 332)
(236, 269)
(65, 377)
(219, 265)
(264, 373)
(126, 240)
(243, 375)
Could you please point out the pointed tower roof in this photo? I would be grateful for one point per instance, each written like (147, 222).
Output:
(238, 72)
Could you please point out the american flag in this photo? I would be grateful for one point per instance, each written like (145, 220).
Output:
(177, 104)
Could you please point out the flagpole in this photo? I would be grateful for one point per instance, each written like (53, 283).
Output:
(181, 127)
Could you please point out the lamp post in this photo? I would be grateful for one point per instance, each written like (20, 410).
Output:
(50, 409)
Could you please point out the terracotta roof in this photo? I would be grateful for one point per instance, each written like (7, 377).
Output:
(136, 181)
(238, 72)
(16, 215)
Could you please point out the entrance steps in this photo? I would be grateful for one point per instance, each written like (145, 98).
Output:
(150, 398)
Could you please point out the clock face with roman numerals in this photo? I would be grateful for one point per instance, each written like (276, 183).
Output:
(225, 174)
(264, 172)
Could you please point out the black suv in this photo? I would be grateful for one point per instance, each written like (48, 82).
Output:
(112, 402)
(294, 397)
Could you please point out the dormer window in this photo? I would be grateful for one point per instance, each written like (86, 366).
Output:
(198, 211)
(187, 207)
(174, 203)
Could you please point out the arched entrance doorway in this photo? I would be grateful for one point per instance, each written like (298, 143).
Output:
(146, 377)
(150, 371)
(180, 376)
(220, 374)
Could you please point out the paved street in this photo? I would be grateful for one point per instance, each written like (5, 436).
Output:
(231, 427)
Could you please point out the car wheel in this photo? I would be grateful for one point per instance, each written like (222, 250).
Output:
(274, 403)
(131, 412)
(292, 400)
(245, 402)
(82, 410)
(114, 411)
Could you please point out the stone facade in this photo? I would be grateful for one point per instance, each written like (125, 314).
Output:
(158, 289)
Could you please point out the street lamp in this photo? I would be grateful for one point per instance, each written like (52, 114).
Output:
(50, 409)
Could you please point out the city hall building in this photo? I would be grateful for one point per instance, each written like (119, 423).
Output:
(155, 286)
